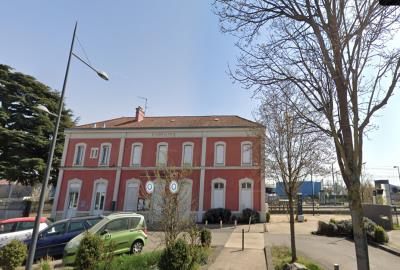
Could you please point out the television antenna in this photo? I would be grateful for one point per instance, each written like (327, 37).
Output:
(145, 103)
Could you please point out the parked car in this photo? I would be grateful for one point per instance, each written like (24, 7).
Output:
(19, 228)
(127, 231)
(52, 240)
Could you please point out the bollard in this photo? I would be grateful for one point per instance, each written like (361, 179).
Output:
(249, 224)
(336, 266)
(242, 239)
(235, 223)
(206, 223)
(220, 223)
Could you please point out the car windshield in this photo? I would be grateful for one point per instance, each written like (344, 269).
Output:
(99, 225)
(94, 221)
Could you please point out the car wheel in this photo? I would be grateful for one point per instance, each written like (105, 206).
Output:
(137, 247)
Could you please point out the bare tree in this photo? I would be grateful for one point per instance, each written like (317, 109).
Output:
(338, 54)
(171, 211)
(293, 150)
(366, 188)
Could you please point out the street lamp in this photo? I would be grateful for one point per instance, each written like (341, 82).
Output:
(35, 232)
(398, 170)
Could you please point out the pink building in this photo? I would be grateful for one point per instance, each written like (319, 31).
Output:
(106, 164)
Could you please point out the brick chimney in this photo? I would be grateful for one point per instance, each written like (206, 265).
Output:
(139, 114)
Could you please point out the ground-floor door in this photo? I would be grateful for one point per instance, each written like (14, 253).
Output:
(99, 198)
(72, 199)
(131, 196)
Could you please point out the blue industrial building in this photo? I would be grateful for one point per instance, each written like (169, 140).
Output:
(306, 188)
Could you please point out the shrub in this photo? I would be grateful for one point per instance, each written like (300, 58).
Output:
(205, 237)
(143, 261)
(329, 229)
(12, 255)
(381, 236)
(214, 215)
(267, 217)
(44, 264)
(247, 213)
(369, 226)
(176, 256)
(345, 227)
(199, 256)
(89, 252)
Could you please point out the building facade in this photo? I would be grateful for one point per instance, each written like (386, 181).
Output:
(105, 165)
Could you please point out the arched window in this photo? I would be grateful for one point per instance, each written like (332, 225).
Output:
(79, 155)
(218, 187)
(136, 155)
(187, 154)
(219, 153)
(247, 153)
(162, 154)
(105, 152)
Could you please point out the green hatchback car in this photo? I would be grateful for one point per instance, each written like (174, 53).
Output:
(127, 231)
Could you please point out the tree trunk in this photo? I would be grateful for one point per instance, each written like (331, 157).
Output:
(292, 235)
(360, 237)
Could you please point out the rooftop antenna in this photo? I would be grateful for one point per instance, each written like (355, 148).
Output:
(145, 104)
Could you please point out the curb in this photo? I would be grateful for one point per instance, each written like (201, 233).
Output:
(385, 248)
(268, 258)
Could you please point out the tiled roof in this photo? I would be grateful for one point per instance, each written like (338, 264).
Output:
(212, 121)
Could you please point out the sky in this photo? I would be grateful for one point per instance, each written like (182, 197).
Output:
(171, 52)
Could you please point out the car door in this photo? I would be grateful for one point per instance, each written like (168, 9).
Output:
(51, 242)
(6, 232)
(116, 231)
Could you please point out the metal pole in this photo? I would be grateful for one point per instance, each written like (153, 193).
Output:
(242, 239)
(313, 203)
(336, 266)
(35, 233)
(334, 189)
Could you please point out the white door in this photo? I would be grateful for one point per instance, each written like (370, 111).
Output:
(99, 199)
(185, 198)
(218, 195)
(246, 198)
(131, 197)
(72, 200)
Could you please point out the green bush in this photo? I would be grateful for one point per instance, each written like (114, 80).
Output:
(90, 252)
(205, 237)
(329, 229)
(247, 213)
(12, 255)
(199, 256)
(143, 261)
(44, 264)
(214, 215)
(369, 227)
(267, 217)
(176, 256)
(380, 235)
(344, 227)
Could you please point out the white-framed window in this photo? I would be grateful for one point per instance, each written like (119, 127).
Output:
(136, 154)
(162, 154)
(247, 153)
(79, 155)
(218, 187)
(94, 152)
(245, 193)
(187, 154)
(105, 152)
(219, 154)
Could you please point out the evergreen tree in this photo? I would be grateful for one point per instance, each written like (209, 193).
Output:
(25, 131)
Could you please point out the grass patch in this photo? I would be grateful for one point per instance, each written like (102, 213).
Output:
(282, 255)
(144, 261)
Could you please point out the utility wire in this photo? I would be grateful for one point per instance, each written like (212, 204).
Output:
(83, 50)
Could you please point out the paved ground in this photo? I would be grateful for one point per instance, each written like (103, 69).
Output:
(327, 250)
(232, 257)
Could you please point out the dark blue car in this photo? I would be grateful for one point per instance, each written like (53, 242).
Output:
(52, 240)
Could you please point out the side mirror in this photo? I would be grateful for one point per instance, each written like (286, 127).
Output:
(104, 232)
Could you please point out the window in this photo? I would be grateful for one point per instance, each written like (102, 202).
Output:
(22, 226)
(76, 226)
(79, 154)
(7, 227)
(105, 154)
(162, 154)
(219, 158)
(117, 225)
(57, 229)
(135, 222)
(93, 221)
(94, 152)
(246, 153)
(73, 199)
(246, 185)
(99, 200)
(187, 153)
(136, 154)
(218, 185)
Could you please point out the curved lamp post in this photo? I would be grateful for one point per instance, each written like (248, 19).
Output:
(35, 232)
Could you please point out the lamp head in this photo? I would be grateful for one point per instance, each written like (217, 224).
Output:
(44, 109)
(103, 75)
